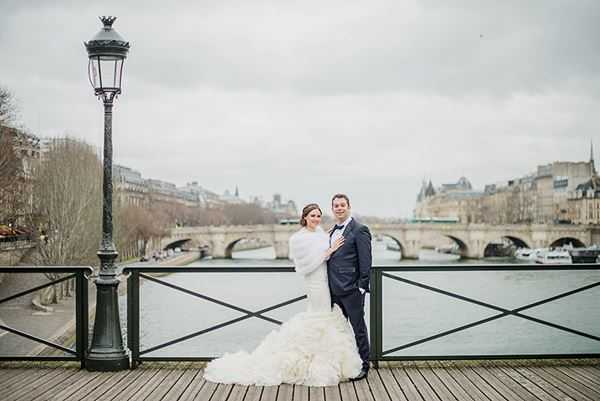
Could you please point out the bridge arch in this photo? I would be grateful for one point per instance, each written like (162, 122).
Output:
(575, 242)
(397, 242)
(462, 245)
(177, 243)
(489, 250)
(232, 244)
(519, 243)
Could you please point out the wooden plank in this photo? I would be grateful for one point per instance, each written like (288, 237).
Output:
(194, 386)
(421, 384)
(481, 384)
(286, 392)
(141, 392)
(21, 380)
(189, 377)
(315, 394)
(113, 380)
(91, 386)
(587, 372)
(347, 392)
(170, 380)
(531, 386)
(221, 392)
(509, 389)
(254, 393)
(409, 388)
(571, 392)
(377, 387)
(300, 393)
(7, 373)
(464, 382)
(269, 393)
(391, 385)
(43, 382)
(34, 394)
(332, 393)
(453, 386)
(72, 380)
(517, 383)
(363, 392)
(554, 391)
(206, 391)
(573, 373)
(66, 391)
(237, 393)
(124, 389)
(436, 384)
(570, 382)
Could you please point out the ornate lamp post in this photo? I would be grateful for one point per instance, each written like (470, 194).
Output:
(107, 51)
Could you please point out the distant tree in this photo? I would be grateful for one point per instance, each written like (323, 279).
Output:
(12, 196)
(8, 107)
(137, 226)
(68, 201)
(247, 213)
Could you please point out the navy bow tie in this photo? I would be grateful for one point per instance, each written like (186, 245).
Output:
(338, 227)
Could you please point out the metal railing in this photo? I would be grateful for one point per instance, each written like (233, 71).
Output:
(378, 273)
(80, 274)
(378, 353)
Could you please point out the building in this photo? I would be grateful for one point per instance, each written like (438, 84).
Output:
(552, 194)
(130, 188)
(282, 208)
(584, 202)
(454, 201)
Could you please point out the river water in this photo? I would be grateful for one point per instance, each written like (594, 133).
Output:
(410, 313)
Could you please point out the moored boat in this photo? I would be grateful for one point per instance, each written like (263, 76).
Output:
(553, 257)
(585, 255)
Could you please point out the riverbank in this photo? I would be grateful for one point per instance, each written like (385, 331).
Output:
(66, 334)
(57, 326)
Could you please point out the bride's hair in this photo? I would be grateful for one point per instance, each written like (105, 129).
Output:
(307, 209)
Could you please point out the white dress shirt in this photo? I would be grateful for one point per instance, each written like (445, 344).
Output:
(338, 233)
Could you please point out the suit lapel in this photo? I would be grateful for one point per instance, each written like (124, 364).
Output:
(348, 227)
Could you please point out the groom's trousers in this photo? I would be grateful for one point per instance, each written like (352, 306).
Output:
(353, 307)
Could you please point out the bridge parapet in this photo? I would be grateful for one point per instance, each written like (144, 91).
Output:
(471, 238)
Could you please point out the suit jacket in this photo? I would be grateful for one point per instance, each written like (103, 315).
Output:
(350, 266)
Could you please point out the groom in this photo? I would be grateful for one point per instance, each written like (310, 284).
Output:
(348, 270)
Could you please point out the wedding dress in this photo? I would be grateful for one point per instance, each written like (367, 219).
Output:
(313, 348)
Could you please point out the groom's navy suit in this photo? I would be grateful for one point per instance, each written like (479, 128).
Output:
(348, 269)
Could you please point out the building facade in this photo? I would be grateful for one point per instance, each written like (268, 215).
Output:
(559, 192)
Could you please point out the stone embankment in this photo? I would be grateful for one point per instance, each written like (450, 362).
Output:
(58, 325)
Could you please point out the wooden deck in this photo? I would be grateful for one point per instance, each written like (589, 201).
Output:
(575, 380)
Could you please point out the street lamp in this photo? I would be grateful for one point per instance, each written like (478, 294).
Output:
(107, 51)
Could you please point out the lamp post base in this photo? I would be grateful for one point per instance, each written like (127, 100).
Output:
(110, 362)
(107, 352)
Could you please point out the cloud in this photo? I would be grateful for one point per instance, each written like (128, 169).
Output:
(310, 98)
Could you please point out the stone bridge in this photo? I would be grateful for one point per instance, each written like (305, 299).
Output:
(472, 239)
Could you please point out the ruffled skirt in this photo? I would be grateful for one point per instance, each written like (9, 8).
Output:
(312, 349)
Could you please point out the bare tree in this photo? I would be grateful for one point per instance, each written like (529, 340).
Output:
(8, 107)
(68, 201)
(137, 226)
(11, 167)
(11, 179)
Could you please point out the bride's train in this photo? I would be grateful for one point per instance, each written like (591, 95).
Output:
(312, 348)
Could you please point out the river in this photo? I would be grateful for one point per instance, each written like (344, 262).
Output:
(409, 313)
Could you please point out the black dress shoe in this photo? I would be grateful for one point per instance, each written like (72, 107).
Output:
(362, 375)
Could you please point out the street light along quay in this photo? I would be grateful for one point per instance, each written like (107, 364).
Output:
(107, 51)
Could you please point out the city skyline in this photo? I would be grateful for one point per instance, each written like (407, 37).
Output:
(366, 99)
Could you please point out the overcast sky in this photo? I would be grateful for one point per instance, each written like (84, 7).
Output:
(308, 98)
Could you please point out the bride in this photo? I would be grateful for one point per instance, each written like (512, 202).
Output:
(313, 348)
